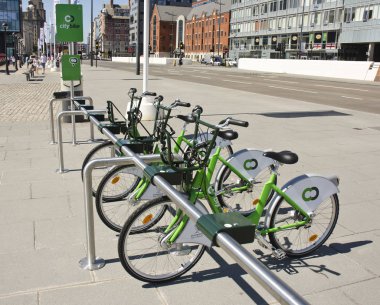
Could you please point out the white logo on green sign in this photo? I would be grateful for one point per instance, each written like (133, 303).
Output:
(69, 20)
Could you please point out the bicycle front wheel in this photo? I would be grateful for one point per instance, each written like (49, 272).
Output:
(301, 241)
(144, 253)
(111, 205)
(103, 150)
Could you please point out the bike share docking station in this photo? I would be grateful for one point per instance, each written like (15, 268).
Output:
(220, 230)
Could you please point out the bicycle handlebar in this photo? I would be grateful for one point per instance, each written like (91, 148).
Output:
(231, 121)
(182, 104)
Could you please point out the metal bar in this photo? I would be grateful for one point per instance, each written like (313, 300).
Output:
(91, 262)
(61, 168)
(52, 115)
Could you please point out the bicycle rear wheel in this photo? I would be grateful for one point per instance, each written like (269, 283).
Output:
(301, 241)
(142, 250)
(236, 194)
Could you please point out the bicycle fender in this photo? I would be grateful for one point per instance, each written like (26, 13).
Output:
(249, 162)
(308, 191)
(191, 234)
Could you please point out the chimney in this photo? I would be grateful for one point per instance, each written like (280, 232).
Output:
(111, 3)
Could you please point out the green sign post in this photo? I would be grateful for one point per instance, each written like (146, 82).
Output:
(71, 67)
(69, 23)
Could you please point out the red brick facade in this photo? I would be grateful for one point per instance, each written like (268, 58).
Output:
(202, 35)
(162, 38)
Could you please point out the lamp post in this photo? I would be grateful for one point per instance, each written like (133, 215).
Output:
(5, 28)
(171, 36)
(15, 50)
(92, 34)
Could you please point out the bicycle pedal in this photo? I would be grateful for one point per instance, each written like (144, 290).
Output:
(279, 254)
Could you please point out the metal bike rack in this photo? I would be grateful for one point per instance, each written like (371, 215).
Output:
(274, 285)
(88, 113)
(87, 98)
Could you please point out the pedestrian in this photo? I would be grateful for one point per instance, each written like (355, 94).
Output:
(43, 61)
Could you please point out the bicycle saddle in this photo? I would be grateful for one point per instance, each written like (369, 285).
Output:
(187, 118)
(227, 134)
(285, 156)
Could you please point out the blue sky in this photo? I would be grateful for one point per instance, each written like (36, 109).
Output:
(98, 4)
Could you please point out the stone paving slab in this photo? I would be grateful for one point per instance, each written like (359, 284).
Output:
(42, 213)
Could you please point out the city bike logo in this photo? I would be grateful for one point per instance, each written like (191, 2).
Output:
(250, 164)
(310, 194)
(69, 18)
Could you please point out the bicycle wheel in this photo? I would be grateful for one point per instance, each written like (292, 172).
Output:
(111, 205)
(303, 240)
(242, 200)
(142, 250)
(103, 150)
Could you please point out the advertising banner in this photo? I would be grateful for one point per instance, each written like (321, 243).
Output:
(69, 23)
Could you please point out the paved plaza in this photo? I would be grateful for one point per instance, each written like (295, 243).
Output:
(42, 222)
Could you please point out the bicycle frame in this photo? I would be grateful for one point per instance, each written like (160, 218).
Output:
(202, 182)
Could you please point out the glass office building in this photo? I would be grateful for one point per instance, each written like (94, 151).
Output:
(10, 12)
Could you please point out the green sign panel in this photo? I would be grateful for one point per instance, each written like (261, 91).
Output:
(71, 67)
(69, 23)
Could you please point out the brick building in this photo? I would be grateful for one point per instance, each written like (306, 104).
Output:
(167, 27)
(113, 30)
(204, 35)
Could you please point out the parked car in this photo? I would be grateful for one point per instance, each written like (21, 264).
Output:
(231, 62)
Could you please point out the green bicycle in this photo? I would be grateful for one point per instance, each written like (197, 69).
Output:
(159, 243)
(235, 187)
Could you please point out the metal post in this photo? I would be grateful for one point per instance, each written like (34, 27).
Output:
(52, 133)
(5, 28)
(74, 140)
(92, 34)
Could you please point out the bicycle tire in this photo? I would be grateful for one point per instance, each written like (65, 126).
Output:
(242, 201)
(112, 207)
(100, 151)
(141, 252)
(307, 239)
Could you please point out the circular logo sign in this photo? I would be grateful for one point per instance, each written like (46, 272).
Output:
(69, 18)
(294, 38)
(257, 40)
(274, 38)
(318, 36)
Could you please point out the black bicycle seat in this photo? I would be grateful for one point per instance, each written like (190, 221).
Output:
(286, 157)
(187, 118)
(227, 134)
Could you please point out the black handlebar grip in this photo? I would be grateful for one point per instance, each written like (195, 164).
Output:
(238, 123)
(132, 90)
(148, 93)
(159, 98)
(198, 109)
(183, 104)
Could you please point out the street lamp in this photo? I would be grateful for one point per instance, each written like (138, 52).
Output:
(15, 49)
(171, 36)
(5, 28)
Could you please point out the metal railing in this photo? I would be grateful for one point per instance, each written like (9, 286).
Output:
(52, 101)
(275, 286)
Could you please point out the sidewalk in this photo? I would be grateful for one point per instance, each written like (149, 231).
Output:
(42, 229)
